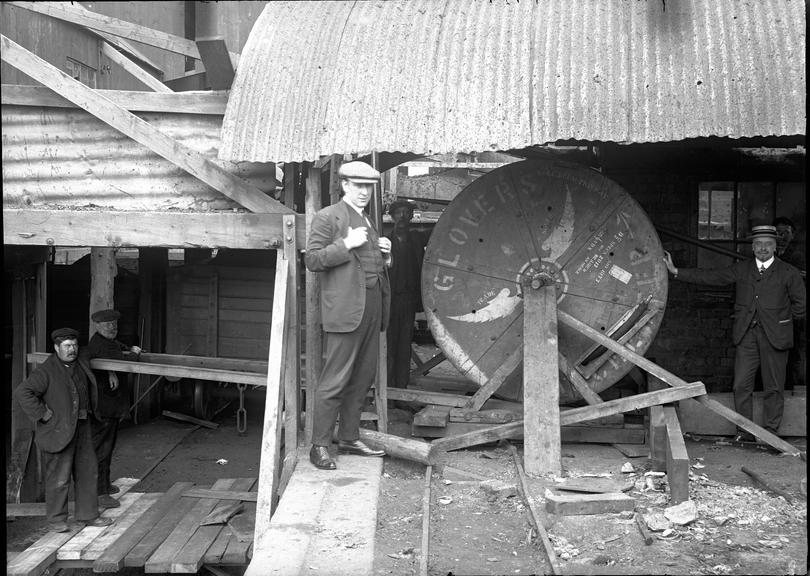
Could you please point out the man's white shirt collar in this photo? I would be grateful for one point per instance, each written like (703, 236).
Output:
(766, 264)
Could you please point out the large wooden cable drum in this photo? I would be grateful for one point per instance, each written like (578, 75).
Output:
(542, 217)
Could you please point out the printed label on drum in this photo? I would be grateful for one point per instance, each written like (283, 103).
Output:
(620, 274)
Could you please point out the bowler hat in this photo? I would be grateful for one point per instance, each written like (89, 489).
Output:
(359, 172)
(64, 334)
(763, 231)
(105, 315)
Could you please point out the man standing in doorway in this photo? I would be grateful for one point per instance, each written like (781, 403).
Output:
(770, 296)
(60, 397)
(352, 260)
(790, 251)
(407, 250)
(113, 397)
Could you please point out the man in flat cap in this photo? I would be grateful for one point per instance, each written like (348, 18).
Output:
(770, 297)
(60, 397)
(352, 260)
(113, 396)
(407, 251)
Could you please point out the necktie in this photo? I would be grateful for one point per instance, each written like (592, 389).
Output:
(761, 270)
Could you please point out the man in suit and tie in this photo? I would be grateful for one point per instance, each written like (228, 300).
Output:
(352, 260)
(770, 297)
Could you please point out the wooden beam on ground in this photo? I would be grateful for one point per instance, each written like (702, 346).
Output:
(398, 447)
(314, 332)
(191, 419)
(107, 24)
(440, 398)
(204, 102)
(133, 69)
(432, 415)
(630, 403)
(35, 559)
(274, 401)
(240, 495)
(609, 503)
(672, 380)
(483, 436)
(541, 383)
(677, 458)
(139, 130)
(146, 546)
(217, 62)
(136, 229)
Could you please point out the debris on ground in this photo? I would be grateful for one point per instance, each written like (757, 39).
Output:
(682, 514)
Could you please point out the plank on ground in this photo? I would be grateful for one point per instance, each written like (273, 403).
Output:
(191, 556)
(217, 549)
(221, 494)
(72, 550)
(35, 559)
(112, 559)
(161, 559)
(677, 458)
(588, 503)
(239, 545)
(141, 552)
(121, 525)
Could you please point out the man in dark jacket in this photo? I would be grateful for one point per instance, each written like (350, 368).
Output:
(113, 397)
(770, 296)
(352, 260)
(60, 397)
(407, 251)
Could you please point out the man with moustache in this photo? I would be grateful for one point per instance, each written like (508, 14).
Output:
(770, 297)
(352, 259)
(60, 397)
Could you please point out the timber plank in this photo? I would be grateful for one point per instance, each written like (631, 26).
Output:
(121, 525)
(35, 559)
(72, 550)
(133, 68)
(112, 559)
(192, 555)
(594, 485)
(428, 397)
(677, 458)
(588, 503)
(161, 559)
(432, 415)
(242, 527)
(140, 553)
(214, 553)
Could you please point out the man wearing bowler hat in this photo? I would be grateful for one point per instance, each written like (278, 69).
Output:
(352, 259)
(770, 297)
(60, 397)
(113, 396)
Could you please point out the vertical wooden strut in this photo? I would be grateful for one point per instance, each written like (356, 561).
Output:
(541, 386)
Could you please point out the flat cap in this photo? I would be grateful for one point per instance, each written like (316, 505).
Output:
(359, 172)
(64, 333)
(105, 315)
(396, 204)
(764, 231)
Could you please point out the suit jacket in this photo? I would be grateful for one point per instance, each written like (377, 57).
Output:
(111, 403)
(777, 298)
(51, 386)
(343, 291)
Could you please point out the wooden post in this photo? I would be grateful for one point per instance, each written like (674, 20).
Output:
(314, 332)
(677, 458)
(657, 429)
(381, 387)
(152, 266)
(102, 281)
(541, 385)
(292, 372)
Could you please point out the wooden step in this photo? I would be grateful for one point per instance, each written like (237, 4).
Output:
(319, 525)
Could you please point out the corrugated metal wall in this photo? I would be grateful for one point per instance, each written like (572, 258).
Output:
(55, 157)
(430, 76)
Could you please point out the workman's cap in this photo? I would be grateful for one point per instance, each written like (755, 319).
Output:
(105, 315)
(764, 231)
(64, 334)
(359, 172)
(396, 204)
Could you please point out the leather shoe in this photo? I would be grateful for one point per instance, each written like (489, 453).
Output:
(98, 521)
(357, 447)
(320, 458)
(59, 527)
(106, 501)
(113, 489)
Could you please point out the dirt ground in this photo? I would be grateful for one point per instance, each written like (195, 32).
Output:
(740, 529)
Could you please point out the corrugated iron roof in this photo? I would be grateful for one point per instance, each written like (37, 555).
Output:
(429, 76)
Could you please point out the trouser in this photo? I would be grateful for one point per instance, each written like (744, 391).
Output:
(399, 337)
(77, 459)
(348, 373)
(797, 357)
(755, 351)
(105, 433)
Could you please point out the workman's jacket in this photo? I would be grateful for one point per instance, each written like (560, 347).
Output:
(775, 299)
(343, 283)
(51, 386)
(111, 403)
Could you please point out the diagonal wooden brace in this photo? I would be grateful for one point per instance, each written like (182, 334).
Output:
(672, 380)
(139, 130)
